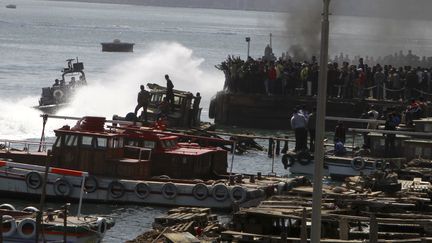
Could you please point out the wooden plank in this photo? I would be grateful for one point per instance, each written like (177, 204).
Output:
(343, 229)
(185, 237)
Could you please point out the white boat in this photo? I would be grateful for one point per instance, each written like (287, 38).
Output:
(20, 226)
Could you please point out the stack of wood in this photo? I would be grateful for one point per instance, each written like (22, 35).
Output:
(184, 224)
(348, 215)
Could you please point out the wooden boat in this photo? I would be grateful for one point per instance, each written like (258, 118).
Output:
(58, 96)
(117, 46)
(181, 114)
(20, 226)
(133, 165)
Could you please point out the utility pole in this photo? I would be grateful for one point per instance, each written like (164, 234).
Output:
(248, 46)
(271, 40)
(320, 127)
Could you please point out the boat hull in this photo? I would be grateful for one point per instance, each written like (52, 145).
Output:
(157, 192)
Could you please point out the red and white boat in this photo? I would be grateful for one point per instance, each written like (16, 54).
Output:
(129, 164)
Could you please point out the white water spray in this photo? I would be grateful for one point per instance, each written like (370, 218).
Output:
(115, 91)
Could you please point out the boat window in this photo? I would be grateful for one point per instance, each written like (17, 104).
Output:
(117, 143)
(177, 100)
(132, 143)
(168, 143)
(149, 144)
(71, 140)
(86, 140)
(102, 142)
(57, 142)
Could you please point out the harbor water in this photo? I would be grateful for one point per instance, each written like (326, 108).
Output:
(38, 36)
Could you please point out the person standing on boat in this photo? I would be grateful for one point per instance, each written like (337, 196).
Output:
(195, 109)
(170, 91)
(298, 124)
(143, 101)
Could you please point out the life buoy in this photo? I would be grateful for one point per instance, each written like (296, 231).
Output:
(116, 189)
(30, 209)
(7, 206)
(288, 160)
(238, 194)
(358, 163)
(91, 184)
(200, 191)
(304, 158)
(58, 94)
(379, 165)
(101, 226)
(220, 192)
(62, 187)
(27, 228)
(142, 190)
(33, 180)
(212, 108)
(169, 190)
(9, 225)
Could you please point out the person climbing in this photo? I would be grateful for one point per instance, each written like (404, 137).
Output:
(169, 91)
(143, 100)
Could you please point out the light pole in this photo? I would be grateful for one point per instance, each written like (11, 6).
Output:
(248, 48)
(320, 126)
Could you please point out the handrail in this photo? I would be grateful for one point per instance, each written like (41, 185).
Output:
(421, 134)
(26, 144)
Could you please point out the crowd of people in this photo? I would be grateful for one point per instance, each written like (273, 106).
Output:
(402, 76)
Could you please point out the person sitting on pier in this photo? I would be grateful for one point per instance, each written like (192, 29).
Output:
(340, 132)
(339, 148)
(412, 112)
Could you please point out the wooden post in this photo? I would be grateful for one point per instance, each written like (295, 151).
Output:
(373, 237)
(343, 229)
(65, 222)
(277, 147)
(303, 230)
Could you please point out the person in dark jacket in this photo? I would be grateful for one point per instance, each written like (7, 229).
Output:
(143, 100)
(170, 91)
(311, 128)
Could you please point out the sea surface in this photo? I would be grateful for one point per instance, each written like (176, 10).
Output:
(38, 36)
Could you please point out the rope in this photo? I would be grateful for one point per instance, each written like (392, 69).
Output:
(370, 88)
(394, 90)
(422, 92)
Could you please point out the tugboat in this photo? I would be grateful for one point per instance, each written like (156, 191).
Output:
(182, 114)
(117, 46)
(59, 94)
(130, 164)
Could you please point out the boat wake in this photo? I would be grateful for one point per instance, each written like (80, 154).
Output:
(114, 91)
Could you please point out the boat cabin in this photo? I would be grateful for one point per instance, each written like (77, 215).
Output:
(133, 154)
(183, 106)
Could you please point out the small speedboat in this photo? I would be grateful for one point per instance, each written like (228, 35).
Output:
(117, 46)
(11, 6)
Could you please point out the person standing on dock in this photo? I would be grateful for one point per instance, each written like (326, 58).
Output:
(143, 101)
(389, 145)
(170, 91)
(298, 124)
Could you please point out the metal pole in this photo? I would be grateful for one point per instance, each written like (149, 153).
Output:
(271, 40)
(81, 195)
(248, 50)
(320, 127)
(232, 158)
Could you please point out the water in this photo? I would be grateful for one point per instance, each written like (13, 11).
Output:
(38, 36)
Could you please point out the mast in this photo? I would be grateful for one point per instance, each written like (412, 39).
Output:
(320, 127)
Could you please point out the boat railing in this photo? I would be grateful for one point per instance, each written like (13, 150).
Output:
(22, 145)
(141, 150)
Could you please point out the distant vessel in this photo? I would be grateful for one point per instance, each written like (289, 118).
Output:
(117, 46)
(11, 6)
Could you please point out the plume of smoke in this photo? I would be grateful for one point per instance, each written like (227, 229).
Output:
(303, 26)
